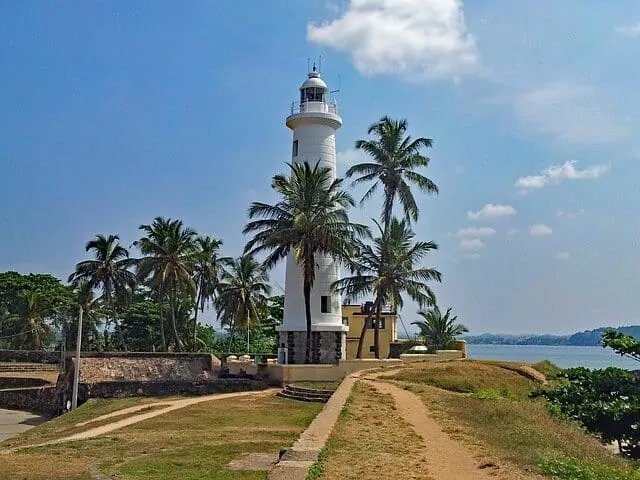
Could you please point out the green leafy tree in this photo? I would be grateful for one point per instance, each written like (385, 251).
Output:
(92, 315)
(140, 323)
(30, 307)
(169, 252)
(387, 268)
(395, 158)
(310, 219)
(624, 345)
(109, 271)
(242, 294)
(437, 330)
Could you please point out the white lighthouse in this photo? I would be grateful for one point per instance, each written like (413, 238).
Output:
(314, 121)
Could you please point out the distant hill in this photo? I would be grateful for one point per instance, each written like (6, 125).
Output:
(580, 339)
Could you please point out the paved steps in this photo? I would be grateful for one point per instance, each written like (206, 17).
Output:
(305, 394)
(28, 367)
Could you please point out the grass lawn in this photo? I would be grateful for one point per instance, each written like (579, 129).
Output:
(193, 443)
(371, 442)
(489, 405)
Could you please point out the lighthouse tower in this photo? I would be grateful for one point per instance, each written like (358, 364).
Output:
(314, 121)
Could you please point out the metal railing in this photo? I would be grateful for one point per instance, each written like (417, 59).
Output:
(314, 107)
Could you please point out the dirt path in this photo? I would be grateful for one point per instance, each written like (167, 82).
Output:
(447, 459)
(170, 406)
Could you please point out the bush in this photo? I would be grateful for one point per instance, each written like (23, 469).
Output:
(569, 469)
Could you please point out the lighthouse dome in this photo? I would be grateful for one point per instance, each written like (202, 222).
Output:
(314, 81)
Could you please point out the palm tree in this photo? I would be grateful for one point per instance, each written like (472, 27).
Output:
(109, 271)
(31, 312)
(394, 159)
(387, 268)
(91, 317)
(169, 252)
(206, 272)
(439, 331)
(242, 294)
(310, 219)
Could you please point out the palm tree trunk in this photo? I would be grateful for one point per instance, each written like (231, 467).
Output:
(231, 334)
(195, 320)
(376, 331)
(363, 332)
(162, 335)
(307, 313)
(115, 325)
(174, 326)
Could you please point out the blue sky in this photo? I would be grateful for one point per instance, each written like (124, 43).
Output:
(111, 114)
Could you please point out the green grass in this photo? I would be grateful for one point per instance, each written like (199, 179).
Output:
(468, 377)
(487, 403)
(194, 443)
(64, 425)
(569, 469)
(548, 368)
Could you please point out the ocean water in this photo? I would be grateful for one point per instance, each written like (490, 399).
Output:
(564, 357)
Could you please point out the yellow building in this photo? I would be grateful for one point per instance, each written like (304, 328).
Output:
(354, 317)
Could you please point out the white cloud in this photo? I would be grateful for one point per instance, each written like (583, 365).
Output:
(351, 157)
(414, 39)
(473, 232)
(490, 211)
(556, 174)
(471, 244)
(539, 230)
(564, 214)
(629, 30)
(562, 255)
(512, 232)
(471, 256)
(572, 113)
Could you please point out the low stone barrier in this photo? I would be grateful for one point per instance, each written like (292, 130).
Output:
(40, 399)
(168, 388)
(18, 382)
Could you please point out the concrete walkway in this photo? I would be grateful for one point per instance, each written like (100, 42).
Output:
(15, 422)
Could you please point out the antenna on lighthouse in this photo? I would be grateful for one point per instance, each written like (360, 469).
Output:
(320, 64)
(337, 89)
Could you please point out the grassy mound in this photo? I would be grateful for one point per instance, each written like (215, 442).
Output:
(485, 379)
(501, 418)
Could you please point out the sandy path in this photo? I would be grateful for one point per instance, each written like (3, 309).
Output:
(125, 422)
(447, 459)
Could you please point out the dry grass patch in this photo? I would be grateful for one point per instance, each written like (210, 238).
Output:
(371, 441)
(193, 443)
(468, 377)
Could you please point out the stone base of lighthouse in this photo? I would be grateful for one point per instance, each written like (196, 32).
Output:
(326, 346)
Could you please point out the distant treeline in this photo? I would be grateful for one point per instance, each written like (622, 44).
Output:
(580, 339)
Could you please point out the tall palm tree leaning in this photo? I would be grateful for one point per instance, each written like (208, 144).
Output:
(206, 272)
(242, 293)
(439, 331)
(387, 268)
(309, 219)
(169, 251)
(395, 157)
(109, 272)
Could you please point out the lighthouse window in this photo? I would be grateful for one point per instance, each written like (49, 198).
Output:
(325, 304)
(295, 148)
(312, 94)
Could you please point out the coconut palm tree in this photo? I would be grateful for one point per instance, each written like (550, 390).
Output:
(309, 219)
(395, 157)
(387, 268)
(169, 252)
(206, 272)
(242, 293)
(439, 331)
(31, 312)
(92, 314)
(109, 272)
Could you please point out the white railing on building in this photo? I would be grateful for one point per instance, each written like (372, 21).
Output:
(314, 107)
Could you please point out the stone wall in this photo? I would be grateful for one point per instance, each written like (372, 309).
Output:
(326, 347)
(167, 388)
(29, 356)
(18, 382)
(41, 400)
